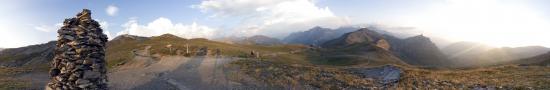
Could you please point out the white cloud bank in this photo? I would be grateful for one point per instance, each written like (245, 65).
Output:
(165, 26)
(276, 18)
(111, 10)
(105, 26)
(272, 17)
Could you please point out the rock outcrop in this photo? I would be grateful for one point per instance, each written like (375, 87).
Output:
(202, 51)
(79, 61)
(386, 74)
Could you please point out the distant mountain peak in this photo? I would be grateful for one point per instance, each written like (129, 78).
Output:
(363, 35)
(128, 36)
(261, 40)
(259, 36)
(419, 37)
(317, 35)
(167, 35)
(318, 27)
(417, 50)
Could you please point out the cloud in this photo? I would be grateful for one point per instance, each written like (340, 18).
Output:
(163, 26)
(111, 10)
(272, 17)
(48, 28)
(105, 26)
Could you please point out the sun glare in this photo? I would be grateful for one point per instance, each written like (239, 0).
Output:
(486, 21)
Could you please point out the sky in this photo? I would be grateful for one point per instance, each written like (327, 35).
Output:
(503, 23)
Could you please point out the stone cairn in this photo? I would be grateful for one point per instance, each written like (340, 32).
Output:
(79, 62)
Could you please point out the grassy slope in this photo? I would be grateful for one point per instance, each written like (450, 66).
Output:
(119, 52)
(7, 82)
(507, 77)
(356, 54)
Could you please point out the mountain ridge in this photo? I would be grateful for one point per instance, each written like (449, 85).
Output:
(316, 35)
(28, 55)
(260, 40)
(543, 59)
(418, 50)
(363, 35)
(468, 54)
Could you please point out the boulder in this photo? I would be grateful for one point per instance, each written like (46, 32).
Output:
(387, 74)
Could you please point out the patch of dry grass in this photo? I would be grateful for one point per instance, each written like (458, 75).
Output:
(7, 82)
(506, 77)
(301, 76)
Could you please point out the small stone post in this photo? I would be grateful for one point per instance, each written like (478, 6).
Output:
(79, 62)
(169, 46)
(186, 48)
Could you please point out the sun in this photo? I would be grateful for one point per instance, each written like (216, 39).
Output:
(486, 21)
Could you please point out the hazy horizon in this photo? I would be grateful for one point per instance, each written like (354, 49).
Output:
(501, 23)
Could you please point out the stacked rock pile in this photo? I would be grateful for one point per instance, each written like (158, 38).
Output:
(79, 61)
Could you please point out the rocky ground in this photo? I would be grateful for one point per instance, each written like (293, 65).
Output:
(210, 72)
(510, 77)
(313, 77)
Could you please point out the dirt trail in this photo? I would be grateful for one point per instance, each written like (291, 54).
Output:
(173, 72)
(153, 72)
(37, 79)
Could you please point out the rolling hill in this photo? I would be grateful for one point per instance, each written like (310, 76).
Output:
(253, 40)
(543, 59)
(34, 55)
(467, 54)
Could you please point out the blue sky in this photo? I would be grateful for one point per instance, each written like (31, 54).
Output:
(494, 22)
